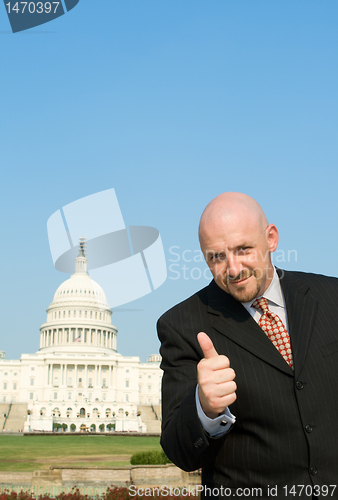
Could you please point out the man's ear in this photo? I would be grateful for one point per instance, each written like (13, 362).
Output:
(272, 237)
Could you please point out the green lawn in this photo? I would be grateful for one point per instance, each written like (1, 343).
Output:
(28, 453)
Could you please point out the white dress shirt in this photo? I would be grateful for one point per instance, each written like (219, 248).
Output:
(218, 426)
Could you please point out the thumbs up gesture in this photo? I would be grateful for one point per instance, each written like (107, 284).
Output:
(216, 386)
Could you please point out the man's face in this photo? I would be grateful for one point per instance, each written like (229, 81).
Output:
(238, 255)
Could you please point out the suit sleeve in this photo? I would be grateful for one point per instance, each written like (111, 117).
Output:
(183, 438)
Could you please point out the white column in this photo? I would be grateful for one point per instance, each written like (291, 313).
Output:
(109, 380)
(100, 381)
(114, 382)
(86, 376)
(52, 375)
(75, 385)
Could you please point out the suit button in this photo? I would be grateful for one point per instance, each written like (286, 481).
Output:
(313, 471)
(308, 428)
(299, 385)
(198, 443)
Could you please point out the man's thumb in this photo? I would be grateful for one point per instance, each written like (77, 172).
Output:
(206, 345)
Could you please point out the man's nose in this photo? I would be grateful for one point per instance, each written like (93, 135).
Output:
(234, 265)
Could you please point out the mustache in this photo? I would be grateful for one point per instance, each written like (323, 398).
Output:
(241, 276)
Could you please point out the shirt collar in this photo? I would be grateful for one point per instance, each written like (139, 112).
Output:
(273, 293)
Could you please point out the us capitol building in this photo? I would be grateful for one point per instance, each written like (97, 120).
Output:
(77, 378)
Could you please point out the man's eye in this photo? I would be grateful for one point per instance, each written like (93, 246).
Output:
(218, 257)
(242, 250)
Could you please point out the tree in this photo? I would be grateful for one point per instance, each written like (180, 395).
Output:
(72, 427)
(64, 427)
(101, 427)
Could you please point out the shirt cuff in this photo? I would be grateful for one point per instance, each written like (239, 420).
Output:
(215, 427)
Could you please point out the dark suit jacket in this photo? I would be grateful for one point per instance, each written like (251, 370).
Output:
(286, 431)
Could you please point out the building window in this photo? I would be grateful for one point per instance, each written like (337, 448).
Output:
(70, 381)
(69, 395)
(55, 395)
(90, 382)
(32, 381)
(104, 397)
(127, 398)
(4, 399)
(90, 396)
(31, 395)
(5, 386)
(127, 383)
(149, 387)
(104, 384)
(14, 386)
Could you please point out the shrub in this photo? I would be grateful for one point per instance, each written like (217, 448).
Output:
(64, 427)
(152, 457)
(72, 427)
(56, 426)
(110, 427)
(101, 427)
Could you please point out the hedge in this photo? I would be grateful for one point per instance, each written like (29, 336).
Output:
(112, 493)
(152, 457)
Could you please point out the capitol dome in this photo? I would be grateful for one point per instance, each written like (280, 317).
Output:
(79, 314)
(80, 288)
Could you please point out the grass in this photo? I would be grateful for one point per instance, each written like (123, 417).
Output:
(28, 453)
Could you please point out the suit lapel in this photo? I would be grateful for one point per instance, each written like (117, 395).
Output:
(231, 319)
(301, 311)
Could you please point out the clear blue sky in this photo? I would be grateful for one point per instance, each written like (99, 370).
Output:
(169, 102)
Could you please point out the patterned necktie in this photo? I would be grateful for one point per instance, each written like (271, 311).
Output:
(273, 327)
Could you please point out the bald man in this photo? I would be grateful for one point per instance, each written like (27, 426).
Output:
(251, 366)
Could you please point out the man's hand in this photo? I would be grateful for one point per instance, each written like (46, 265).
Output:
(216, 386)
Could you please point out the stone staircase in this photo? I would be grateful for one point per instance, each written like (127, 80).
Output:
(16, 416)
(4, 408)
(151, 416)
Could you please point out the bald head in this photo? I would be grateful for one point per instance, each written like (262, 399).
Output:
(229, 208)
(237, 241)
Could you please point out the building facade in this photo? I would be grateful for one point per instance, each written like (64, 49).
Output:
(77, 378)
